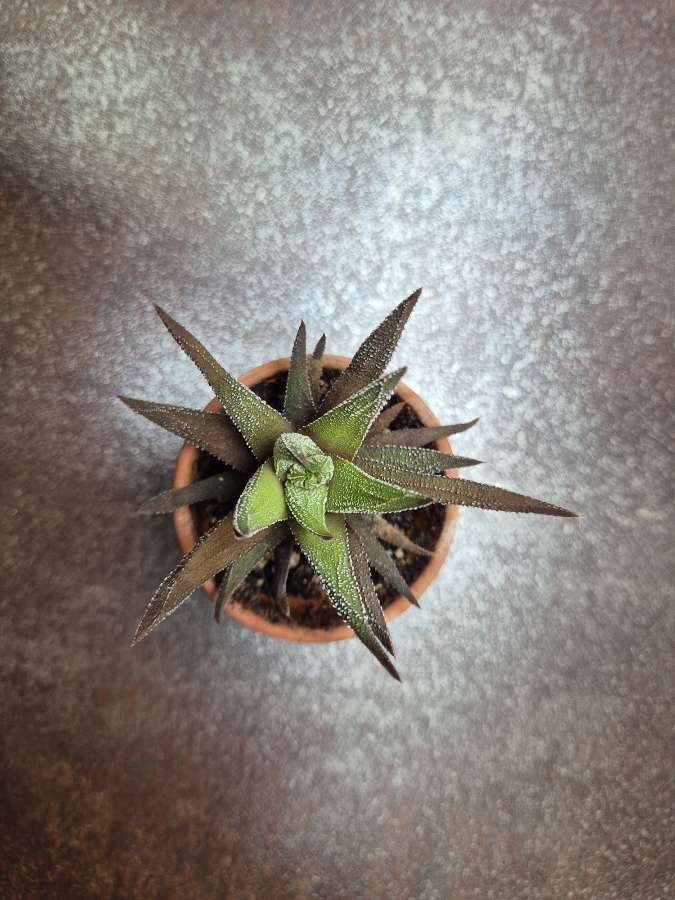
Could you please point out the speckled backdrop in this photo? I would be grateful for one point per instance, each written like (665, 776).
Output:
(249, 164)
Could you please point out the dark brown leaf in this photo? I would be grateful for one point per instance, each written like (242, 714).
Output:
(371, 602)
(372, 357)
(244, 565)
(460, 492)
(298, 401)
(393, 535)
(379, 559)
(315, 367)
(386, 417)
(215, 551)
(212, 432)
(415, 437)
(224, 486)
(282, 562)
(419, 460)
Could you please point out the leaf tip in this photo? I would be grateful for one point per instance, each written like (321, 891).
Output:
(320, 347)
(394, 673)
(139, 634)
(169, 322)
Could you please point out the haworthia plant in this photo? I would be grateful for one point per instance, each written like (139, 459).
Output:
(321, 474)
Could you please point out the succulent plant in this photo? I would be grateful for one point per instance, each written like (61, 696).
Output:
(322, 473)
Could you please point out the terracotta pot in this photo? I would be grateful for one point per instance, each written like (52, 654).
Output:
(186, 528)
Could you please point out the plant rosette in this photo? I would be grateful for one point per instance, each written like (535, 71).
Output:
(323, 472)
(188, 530)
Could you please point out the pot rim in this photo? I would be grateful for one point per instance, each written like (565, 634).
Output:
(186, 530)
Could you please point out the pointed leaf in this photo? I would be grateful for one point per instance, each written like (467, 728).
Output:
(414, 459)
(212, 432)
(224, 486)
(388, 532)
(259, 424)
(315, 367)
(351, 490)
(380, 560)
(282, 565)
(416, 437)
(298, 402)
(319, 349)
(211, 554)
(370, 599)
(460, 492)
(372, 357)
(332, 563)
(261, 503)
(386, 417)
(342, 429)
(245, 564)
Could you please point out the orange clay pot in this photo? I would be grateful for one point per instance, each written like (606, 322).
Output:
(186, 529)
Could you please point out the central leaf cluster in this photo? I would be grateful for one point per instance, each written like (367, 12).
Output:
(305, 471)
(299, 462)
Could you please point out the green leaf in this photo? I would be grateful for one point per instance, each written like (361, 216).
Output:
(298, 459)
(212, 432)
(460, 492)
(211, 554)
(387, 417)
(304, 471)
(388, 532)
(341, 430)
(351, 490)
(224, 486)
(259, 424)
(261, 503)
(315, 366)
(414, 459)
(333, 565)
(369, 597)
(308, 506)
(416, 437)
(373, 356)
(380, 560)
(298, 402)
(245, 564)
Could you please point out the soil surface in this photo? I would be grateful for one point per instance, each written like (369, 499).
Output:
(309, 604)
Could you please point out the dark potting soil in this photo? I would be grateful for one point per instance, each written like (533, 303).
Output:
(308, 603)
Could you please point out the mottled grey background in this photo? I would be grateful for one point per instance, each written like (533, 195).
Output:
(249, 164)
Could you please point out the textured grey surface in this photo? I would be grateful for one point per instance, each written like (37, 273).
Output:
(249, 165)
